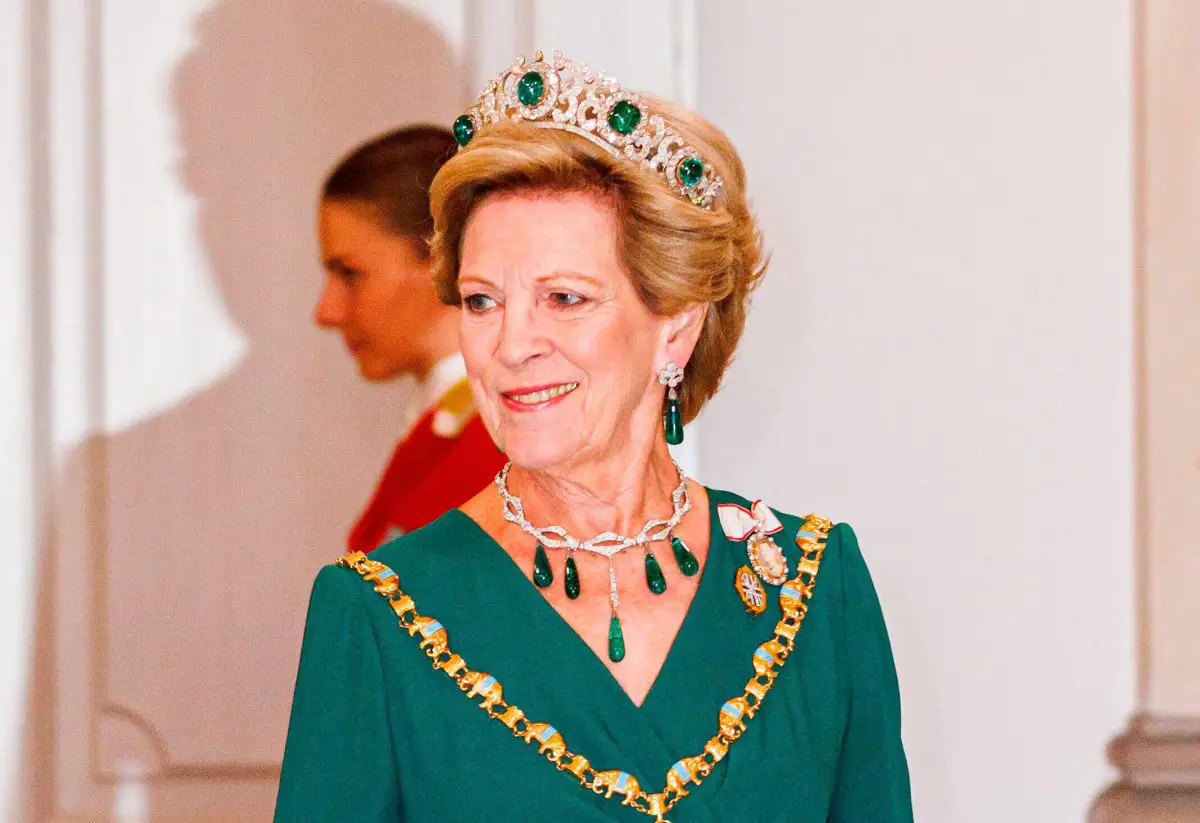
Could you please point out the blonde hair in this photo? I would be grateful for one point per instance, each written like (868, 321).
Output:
(676, 253)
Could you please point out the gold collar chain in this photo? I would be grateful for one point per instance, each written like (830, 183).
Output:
(767, 661)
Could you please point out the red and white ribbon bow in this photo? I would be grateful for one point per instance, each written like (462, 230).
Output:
(739, 523)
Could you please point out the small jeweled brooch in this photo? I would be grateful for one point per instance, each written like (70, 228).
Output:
(750, 589)
(755, 526)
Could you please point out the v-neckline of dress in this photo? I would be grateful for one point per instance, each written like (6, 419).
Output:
(557, 624)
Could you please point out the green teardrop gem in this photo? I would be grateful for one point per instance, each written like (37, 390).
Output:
(571, 578)
(624, 117)
(654, 575)
(464, 130)
(530, 88)
(542, 576)
(673, 422)
(688, 564)
(616, 641)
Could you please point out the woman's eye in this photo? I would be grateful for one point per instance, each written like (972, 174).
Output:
(347, 275)
(478, 302)
(565, 299)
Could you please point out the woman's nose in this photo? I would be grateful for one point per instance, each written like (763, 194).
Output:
(521, 337)
(331, 306)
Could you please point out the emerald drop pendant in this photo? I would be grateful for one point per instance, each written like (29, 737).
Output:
(688, 564)
(542, 576)
(672, 420)
(654, 575)
(571, 578)
(616, 640)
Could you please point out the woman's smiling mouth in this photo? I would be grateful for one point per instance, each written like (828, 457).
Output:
(536, 397)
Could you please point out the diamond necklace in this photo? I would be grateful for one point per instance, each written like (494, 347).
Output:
(607, 545)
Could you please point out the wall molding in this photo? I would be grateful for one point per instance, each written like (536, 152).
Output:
(1158, 752)
(1158, 759)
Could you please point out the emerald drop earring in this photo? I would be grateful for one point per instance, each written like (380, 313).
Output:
(671, 376)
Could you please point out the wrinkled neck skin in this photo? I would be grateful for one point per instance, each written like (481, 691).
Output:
(618, 491)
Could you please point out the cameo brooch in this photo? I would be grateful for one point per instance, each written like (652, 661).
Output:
(755, 526)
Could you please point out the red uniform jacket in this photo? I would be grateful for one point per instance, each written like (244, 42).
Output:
(444, 461)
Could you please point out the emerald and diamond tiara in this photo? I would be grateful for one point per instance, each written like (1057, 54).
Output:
(564, 95)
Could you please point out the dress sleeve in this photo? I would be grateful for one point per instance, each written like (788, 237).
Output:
(872, 784)
(338, 764)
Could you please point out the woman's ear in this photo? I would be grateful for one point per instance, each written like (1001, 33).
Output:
(682, 332)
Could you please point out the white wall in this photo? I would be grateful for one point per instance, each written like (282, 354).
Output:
(16, 399)
(941, 355)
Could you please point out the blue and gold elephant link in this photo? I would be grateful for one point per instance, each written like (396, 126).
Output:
(477, 684)
(687, 770)
(433, 635)
(767, 657)
(732, 718)
(613, 782)
(550, 742)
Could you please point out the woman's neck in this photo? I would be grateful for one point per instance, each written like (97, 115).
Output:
(439, 341)
(619, 493)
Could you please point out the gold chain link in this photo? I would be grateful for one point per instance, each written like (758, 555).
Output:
(767, 661)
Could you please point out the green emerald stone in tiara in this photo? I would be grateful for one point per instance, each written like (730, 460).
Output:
(562, 94)
(531, 88)
(690, 171)
(464, 129)
(624, 117)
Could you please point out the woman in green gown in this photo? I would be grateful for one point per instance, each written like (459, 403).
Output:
(596, 637)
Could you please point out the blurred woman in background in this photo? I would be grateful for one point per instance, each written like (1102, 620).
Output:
(374, 227)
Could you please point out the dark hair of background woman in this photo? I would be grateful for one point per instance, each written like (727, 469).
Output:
(392, 173)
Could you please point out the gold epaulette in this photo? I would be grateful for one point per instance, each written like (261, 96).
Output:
(453, 410)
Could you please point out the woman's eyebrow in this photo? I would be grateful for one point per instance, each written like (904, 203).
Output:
(571, 275)
(475, 279)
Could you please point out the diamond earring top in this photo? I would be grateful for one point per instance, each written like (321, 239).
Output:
(560, 94)
(670, 375)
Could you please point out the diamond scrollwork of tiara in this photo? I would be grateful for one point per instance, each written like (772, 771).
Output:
(560, 94)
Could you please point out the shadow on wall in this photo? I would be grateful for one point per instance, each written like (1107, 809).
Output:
(180, 552)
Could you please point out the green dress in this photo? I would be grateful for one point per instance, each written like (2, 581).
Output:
(377, 734)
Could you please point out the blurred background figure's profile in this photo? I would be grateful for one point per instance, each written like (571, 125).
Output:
(375, 227)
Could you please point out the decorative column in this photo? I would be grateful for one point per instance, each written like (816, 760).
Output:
(1158, 755)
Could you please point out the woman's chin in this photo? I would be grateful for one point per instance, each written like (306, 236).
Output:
(537, 454)
(375, 370)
